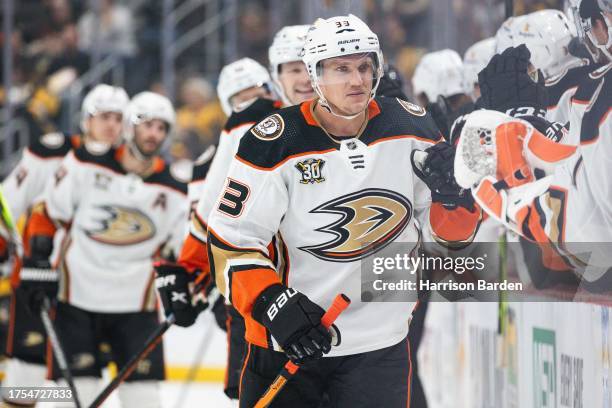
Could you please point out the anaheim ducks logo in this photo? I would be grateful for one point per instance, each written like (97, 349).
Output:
(122, 226)
(370, 220)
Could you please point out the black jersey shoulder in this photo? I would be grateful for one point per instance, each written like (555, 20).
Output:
(292, 131)
(107, 158)
(590, 83)
(556, 87)
(53, 145)
(202, 164)
(255, 112)
(396, 118)
(284, 134)
(99, 155)
(165, 177)
(600, 89)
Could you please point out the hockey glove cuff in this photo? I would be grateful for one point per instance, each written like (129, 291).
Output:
(172, 283)
(435, 167)
(295, 323)
(37, 280)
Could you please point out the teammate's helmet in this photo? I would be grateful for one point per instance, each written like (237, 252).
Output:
(147, 106)
(238, 76)
(336, 37)
(582, 12)
(103, 98)
(547, 34)
(475, 59)
(504, 38)
(286, 47)
(439, 73)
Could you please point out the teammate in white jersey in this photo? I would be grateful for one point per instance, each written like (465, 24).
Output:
(292, 84)
(241, 84)
(570, 210)
(125, 208)
(101, 122)
(333, 177)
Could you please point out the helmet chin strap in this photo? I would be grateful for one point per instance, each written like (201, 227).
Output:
(324, 104)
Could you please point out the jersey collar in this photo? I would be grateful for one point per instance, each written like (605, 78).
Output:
(306, 109)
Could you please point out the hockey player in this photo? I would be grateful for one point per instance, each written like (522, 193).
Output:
(569, 210)
(101, 122)
(547, 35)
(334, 177)
(125, 208)
(292, 83)
(241, 84)
(439, 86)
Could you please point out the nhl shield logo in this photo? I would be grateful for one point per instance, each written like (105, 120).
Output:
(311, 171)
(270, 128)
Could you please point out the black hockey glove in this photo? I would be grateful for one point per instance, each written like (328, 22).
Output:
(435, 166)
(506, 86)
(173, 285)
(219, 310)
(37, 279)
(295, 323)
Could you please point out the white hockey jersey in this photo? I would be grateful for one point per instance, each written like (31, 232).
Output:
(39, 161)
(117, 223)
(332, 203)
(562, 88)
(210, 189)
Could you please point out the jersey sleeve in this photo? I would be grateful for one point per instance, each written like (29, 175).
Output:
(241, 226)
(215, 178)
(26, 182)
(61, 194)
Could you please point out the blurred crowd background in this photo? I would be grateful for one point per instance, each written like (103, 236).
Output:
(55, 50)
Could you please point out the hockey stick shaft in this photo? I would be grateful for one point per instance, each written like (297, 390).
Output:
(58, 350)
(341, 302)
(130, 366)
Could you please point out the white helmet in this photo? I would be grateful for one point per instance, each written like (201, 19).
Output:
(147, 106)
(439, 73)
(103, 98)
(547, 34)
(238, 76)
(286, 47)
(475, 59)
(504, 38)
(336, 37)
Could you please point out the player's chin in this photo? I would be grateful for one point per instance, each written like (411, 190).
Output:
(355, 105)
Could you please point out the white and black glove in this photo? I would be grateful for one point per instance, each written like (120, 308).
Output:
(175, 287)
(295, 323)
(37, 279)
